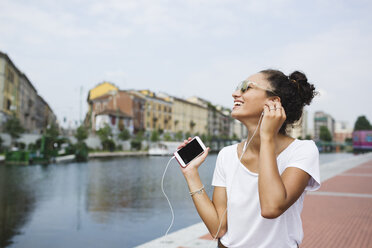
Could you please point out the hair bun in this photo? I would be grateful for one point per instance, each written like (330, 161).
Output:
(305, 89)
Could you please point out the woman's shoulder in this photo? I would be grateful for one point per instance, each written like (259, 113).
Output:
(305, 143)
(228, 150)
(307, 146)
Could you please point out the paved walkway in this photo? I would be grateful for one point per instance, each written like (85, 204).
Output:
(338, 215)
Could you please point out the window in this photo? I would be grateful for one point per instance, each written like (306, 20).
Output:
(10, 75)
(8, 104)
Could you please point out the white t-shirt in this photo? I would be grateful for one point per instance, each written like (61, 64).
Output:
(246, 227)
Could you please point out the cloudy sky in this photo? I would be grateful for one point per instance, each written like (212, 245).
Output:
(190, 47)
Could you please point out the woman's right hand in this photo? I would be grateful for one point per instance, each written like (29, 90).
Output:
(193, 166)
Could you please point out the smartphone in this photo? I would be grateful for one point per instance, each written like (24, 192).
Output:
(192, 150)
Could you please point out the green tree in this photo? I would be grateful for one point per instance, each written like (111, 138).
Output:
(136, 143)
(124, 134)
(105, 135)
(81, 148)
(52, 131)
(14, 128)
(349, 140)
(81, 133)
(362, 123)
(167, 137)
(308, 137)
(325, 134)
(179, 136)
(187, 135)
(154, 136)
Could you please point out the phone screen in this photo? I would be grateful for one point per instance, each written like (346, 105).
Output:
(190, 151)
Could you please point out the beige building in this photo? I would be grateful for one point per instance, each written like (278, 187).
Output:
(158, 112)
(9, 84)
(189, 117)
(27, 99)
(18, 96)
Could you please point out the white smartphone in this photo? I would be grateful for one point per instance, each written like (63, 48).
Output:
(192, 150)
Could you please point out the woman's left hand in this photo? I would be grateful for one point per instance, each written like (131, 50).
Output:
(273, 119)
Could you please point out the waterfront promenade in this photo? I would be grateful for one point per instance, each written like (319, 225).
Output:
(337, 215)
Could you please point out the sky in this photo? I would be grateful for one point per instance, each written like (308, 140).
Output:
(190, 48)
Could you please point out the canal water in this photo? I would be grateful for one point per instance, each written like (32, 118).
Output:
(101, 203)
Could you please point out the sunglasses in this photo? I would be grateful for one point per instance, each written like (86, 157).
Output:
(245, 85)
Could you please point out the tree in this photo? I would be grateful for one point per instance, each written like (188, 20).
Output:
(154, 136)
(179, 136)
(136, 143)
(14, 128)
(124, 134)
(325, 134)
(105, 135)
(167, 137)
(362, 123)
(81, 133)
(52, 131)
(81, 149)
(1, 144)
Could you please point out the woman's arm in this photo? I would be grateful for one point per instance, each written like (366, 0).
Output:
(277, 192)
(211, 212)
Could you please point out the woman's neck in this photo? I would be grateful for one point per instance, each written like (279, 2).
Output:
(253, 128)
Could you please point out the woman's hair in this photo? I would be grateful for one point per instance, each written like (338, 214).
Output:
(294, 91)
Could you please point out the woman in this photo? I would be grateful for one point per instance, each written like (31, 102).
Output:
(260, 183)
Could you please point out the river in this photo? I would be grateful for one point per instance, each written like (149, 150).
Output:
(101, 203)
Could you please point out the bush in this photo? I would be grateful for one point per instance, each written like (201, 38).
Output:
(136, 144)
(81, 152)
(108, 145)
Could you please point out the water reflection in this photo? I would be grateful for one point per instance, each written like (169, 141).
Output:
(114, 203)
(17, 202)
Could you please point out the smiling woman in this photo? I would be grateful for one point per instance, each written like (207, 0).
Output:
(261, 183)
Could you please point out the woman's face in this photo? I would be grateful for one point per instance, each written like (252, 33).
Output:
(251, 102)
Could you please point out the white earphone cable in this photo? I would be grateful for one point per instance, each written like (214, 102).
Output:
(236, 169)
(169, 203)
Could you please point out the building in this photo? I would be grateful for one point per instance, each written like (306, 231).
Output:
(139, 105)
(101, 89)
(157, 112)
(115, 109)
(19, 97)
(323, 119)
(9, 88)
(27, 98)
(189, 117)
(342, 132)
(219, 121)
(300, 128)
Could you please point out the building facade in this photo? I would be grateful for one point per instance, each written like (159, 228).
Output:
(28, 98)
(158, 112)
(115, 108)
(19, 97)
(342, 132)
(9, 88)
(139, 106)
(323, 119)
(300, 128)
(189, 117)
